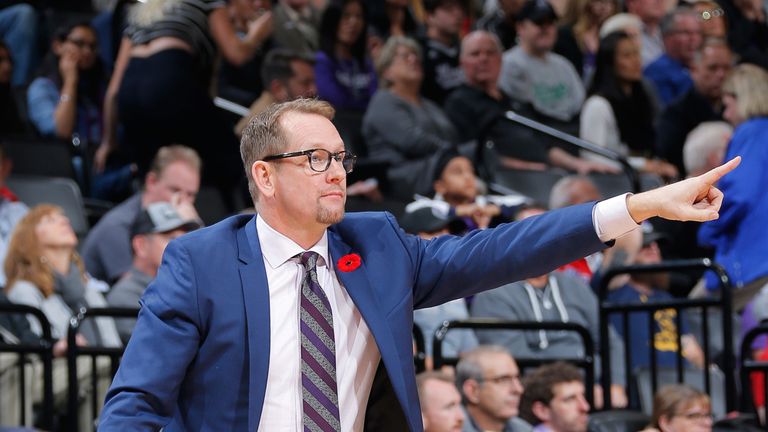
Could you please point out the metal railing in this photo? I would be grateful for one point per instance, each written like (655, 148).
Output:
(44, 350)
(632, 175)
(587, 362)
(94, 352)
(723, 302)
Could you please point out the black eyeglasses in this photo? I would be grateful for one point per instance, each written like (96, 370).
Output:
(320, 159)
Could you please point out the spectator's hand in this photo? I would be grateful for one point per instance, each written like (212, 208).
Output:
(260, 28)
(100, 157)
(368, 188)
(520, 164)
(585, 167)
(661, 168)
(692, 199)
(185, 209)
(60, 347)
(68, 66)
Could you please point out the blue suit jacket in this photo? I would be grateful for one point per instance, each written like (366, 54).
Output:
(199, 354)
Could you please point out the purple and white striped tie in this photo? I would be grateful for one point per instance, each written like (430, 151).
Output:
(318, 353)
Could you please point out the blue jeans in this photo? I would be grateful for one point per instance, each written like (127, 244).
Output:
(18, 29)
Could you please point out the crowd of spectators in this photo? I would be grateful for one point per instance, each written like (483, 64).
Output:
(423, 88)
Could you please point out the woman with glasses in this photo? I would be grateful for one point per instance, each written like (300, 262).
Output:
(739, 235)
(403, 128)
(680, 408)
(66, 97)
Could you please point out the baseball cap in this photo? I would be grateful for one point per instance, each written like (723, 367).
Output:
(162, 217)
(650, 234)
(538, 11)
(424, 219)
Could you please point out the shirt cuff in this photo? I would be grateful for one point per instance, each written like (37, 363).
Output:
(611, 218)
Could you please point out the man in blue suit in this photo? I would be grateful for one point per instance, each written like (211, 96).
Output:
(298, 320)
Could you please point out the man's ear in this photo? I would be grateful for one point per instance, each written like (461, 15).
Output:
(541, 411)
(263, 176)
(138, 242)
(471, 391)
(439, 186)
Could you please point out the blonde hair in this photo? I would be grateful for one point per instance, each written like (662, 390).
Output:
(148, 12)
(24, 260)
(670, 400)
(265, 135)
(749, 85)
(577, 15)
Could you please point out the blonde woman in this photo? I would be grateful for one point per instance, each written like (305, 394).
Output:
(680, 408)
(739, 236)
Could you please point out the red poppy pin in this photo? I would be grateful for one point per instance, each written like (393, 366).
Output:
(349, 262)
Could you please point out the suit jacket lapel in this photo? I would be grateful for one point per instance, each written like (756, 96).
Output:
(359, 288)
(253, 279)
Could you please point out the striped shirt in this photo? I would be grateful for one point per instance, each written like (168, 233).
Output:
(186, 20)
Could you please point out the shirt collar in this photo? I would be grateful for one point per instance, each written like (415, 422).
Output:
(281, 249)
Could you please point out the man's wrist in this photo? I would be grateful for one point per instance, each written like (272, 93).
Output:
(640, 207)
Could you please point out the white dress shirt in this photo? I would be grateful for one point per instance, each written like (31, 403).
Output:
(357, 355)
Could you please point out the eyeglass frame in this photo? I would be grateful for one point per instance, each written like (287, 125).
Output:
(504, 380)
(339, 157)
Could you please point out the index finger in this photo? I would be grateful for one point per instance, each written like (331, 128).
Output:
(715, 174)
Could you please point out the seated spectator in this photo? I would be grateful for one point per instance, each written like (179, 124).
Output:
(296, 24)
(489, 381)
(66, 98)
(457, 195)
(173, 177)
(440, 45)
(619, 113)
(578, 35)
(747, 30)
(44, 271)
(680, 408)
(440, 402)
(739, 236)
(704, 149)
(422, 130)
(154, 227)
(533, 74)
(389, 18)
(712, 17)
(649, 288)
(502, 22)
(554, 399)
(555, 297)
(670, 72)
(702, 102)
(650, 13)
(478, 107)
(240, 83)
(19, 29)
(345, 74)
(427, 223)
(286, 75)
(10, 120)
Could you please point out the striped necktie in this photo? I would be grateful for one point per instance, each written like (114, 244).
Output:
(318, 353)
